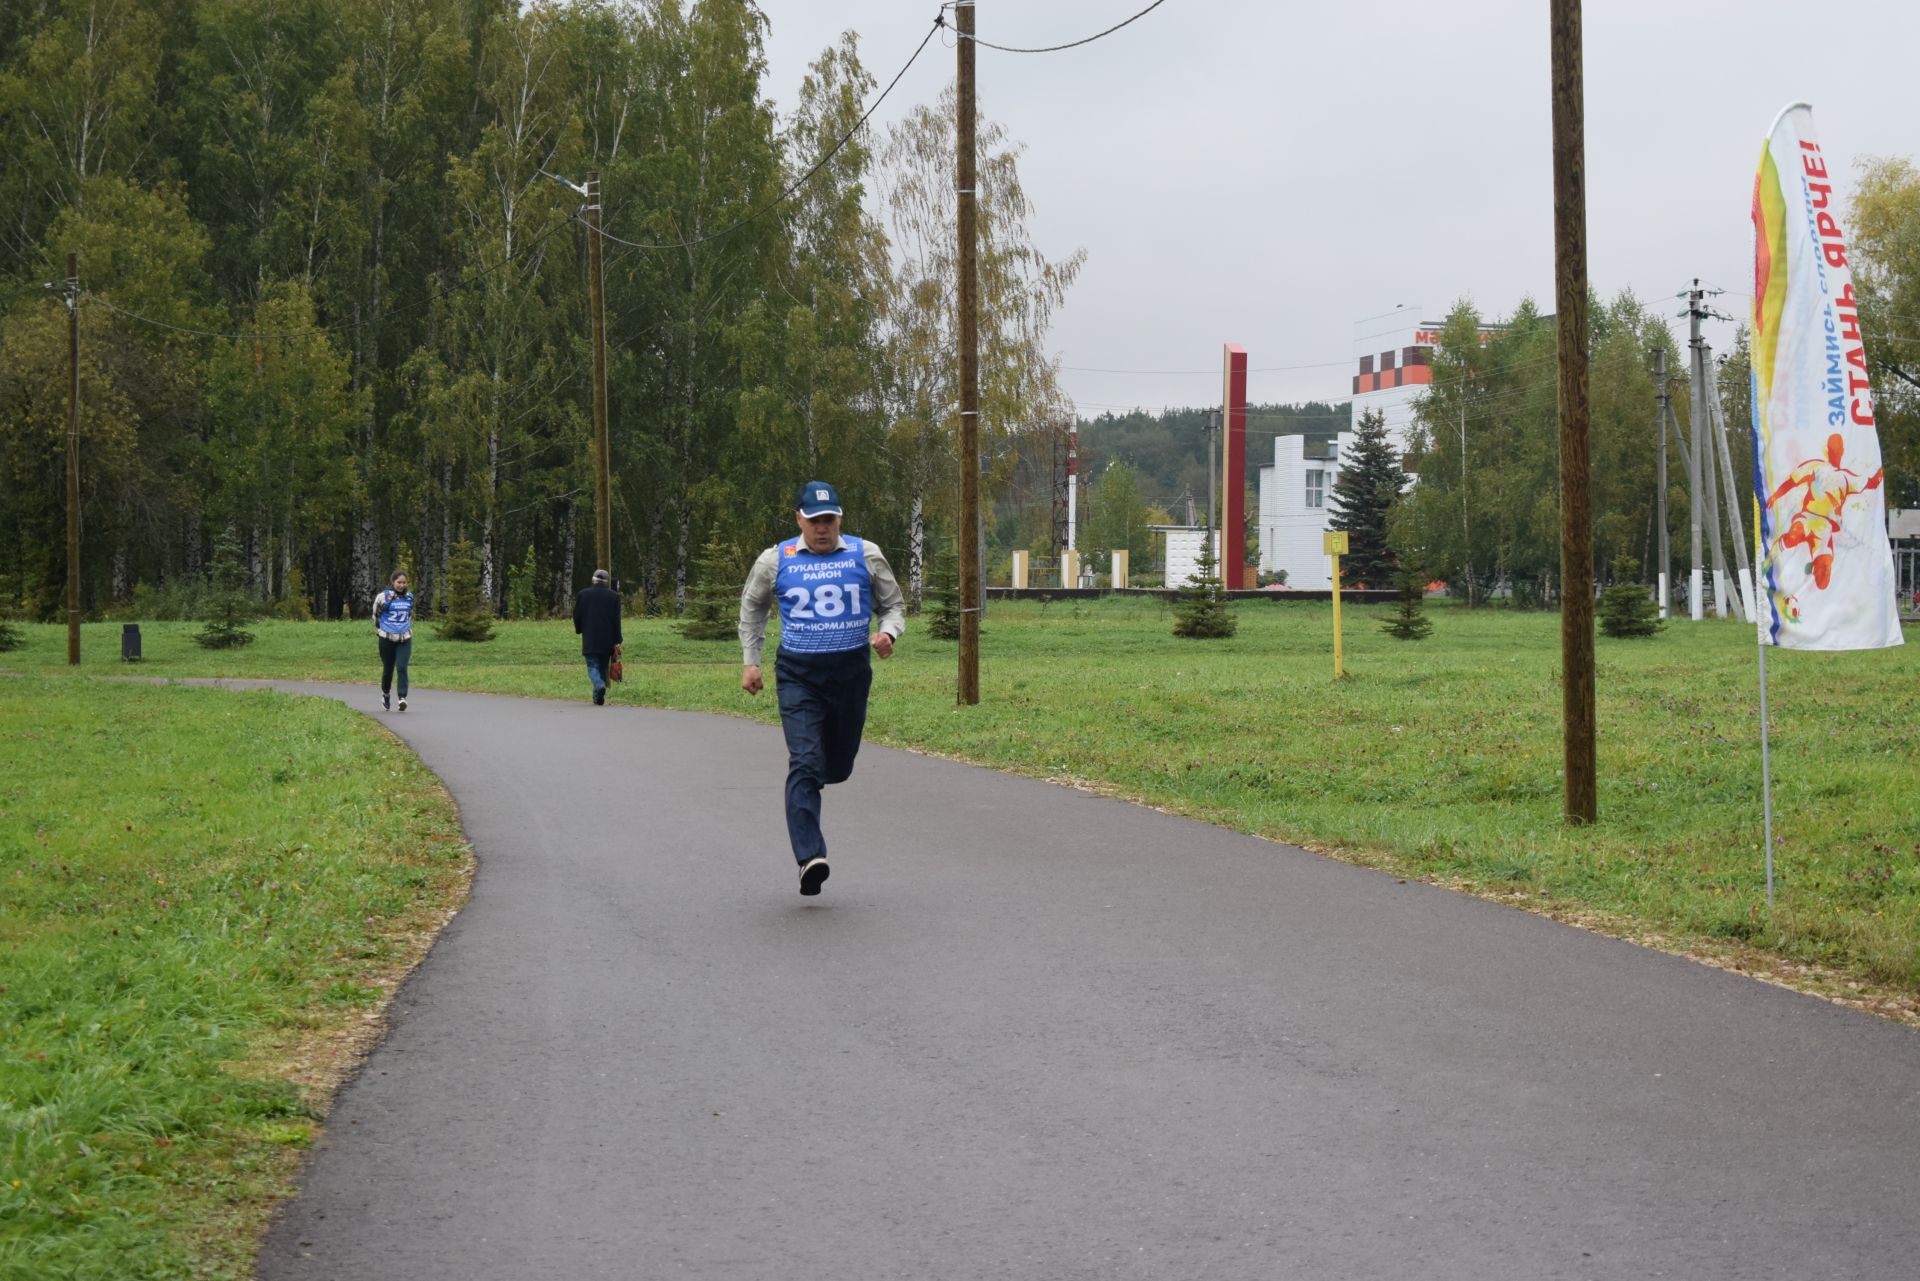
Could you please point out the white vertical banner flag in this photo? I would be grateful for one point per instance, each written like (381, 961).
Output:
(1826, 567)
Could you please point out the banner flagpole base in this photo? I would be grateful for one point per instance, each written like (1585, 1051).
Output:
(1766, 773)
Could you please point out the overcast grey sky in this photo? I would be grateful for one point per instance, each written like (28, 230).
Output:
(1267, 172)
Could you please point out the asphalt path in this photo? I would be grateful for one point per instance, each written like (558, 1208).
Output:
(1028, 1032)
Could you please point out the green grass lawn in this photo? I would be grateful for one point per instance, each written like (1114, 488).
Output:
(1438, 758)
(204, 898)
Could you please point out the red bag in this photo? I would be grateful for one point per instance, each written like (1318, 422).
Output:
(615, 670)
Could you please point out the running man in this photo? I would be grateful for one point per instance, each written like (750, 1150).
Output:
(830, 588)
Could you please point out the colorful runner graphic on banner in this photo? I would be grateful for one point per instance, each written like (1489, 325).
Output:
(1826, 565)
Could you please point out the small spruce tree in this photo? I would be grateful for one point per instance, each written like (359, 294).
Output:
(1625, 607)
(943, 623)
(1409, 620)
(10, 638)
(1368, 488)
(468, 615)
(713, 609)
(1202, 612)
(523, 591)
(227, 607)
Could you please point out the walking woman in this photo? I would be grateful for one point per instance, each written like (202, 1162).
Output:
(393, 623)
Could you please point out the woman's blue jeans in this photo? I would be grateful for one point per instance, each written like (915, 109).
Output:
(393, 658)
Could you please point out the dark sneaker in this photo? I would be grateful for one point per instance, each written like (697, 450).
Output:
(386, 702)
(599, 698)
(403, 704)
(813, 874)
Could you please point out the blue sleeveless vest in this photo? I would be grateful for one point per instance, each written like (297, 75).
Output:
(396, 615)
(826, 601)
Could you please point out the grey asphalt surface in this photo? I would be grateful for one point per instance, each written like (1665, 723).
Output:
(1028, 1032)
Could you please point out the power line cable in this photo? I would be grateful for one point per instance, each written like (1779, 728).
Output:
(797, 183)
(1056, 48)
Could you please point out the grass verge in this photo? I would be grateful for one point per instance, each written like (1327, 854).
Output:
(206, 899)
(1438, 759)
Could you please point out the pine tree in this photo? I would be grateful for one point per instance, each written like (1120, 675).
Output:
(1410, 621)
(469, 615)
(10, 638)
(1625, 607)
(944, 622)
(713, 611)
(1369, 484)
(228, 607)
(1202, 612)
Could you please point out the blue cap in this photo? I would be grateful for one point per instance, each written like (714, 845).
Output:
(818, 498)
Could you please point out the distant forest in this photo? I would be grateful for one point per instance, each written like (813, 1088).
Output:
(1168, 450)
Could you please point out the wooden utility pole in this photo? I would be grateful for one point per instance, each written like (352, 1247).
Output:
(1576, 465)
(1706, 457)
(1663, 587)
(73, 459)
(1696, 577)
(1744, 599)
(969, 306)
(597, 297)
(1466, 528)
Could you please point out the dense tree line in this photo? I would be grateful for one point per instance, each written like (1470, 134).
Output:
(333, 306)
(1886, 268)
(1485, 511)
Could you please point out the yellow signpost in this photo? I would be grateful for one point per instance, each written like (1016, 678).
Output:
(1335, 543)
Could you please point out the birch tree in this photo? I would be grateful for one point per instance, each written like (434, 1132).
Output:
(1019, 289)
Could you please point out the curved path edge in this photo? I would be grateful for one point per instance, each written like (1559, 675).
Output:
(1033, 1032)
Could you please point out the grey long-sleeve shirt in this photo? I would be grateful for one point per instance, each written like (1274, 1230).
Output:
(756, 599)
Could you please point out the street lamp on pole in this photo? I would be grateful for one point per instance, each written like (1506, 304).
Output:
(596, 290)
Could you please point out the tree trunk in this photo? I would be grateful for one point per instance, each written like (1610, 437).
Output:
(563, 580)
(487, 577)
(195, 564)
(365, 551)
(486, 521)
(684, 533)
(446, 529)
(917, 552)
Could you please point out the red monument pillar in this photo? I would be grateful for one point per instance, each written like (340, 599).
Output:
(1233, 479)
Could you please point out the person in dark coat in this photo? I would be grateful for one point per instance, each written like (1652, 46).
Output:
(596, 616)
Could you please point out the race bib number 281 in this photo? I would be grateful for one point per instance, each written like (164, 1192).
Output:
(827, 600)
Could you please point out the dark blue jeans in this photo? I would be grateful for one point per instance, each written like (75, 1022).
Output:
(823, 709)
(597, 665)
(393, 658)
